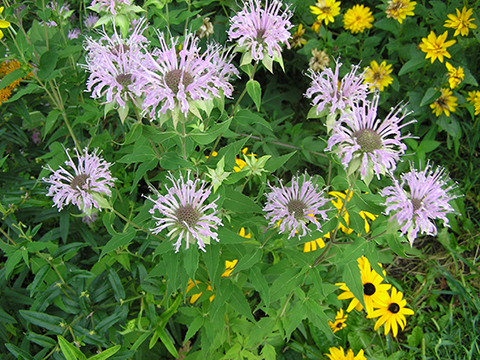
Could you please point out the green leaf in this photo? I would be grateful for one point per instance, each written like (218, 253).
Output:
(248, 260)
(118, 240)
(412, 65)
(239, 203)
(42, 340)
(415, 338)
(141, 154)
(263, 328)
(286, 283)
(238, 301)
(430, 95)
(50, 121)
(167, 342)
(276, 162)
(18, 353)
(295, 317)
(353, 280)
(48, 61)
(106, 353)
(191, 261)
(193, 327)
(255, 91)
(117, 287)
(268, 352)
(12, 261)
(45, 321)
(211, 134)
(11, 77)
(245, 117)
(70, 351)
(171, 161)
(261, 285)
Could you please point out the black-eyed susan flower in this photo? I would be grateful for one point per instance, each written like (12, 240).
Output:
(297, 40)
(373, 290)
(436, 47)
(340, 321)
(339, 354)
(455, 76)
(445, 103)
(326, 10)
(400, 9)
(315, 244)
(392, 312)
(245, 233)
(316, 26)
(378, 76)
(358, 18)
(474, 98)
(229, 266)
(462, 23)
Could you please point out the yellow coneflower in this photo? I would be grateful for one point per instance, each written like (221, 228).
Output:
(400, 9)
(297, 39)
(358, 18)
(445, 103)
(474, 98)
(455, 76)
(436, 47)
(339, 354)
(326, 10)
(462, 23)
(378, 76)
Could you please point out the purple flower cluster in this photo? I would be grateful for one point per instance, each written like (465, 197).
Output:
(261, 31)
(113, 63)
(110, 6)
(185, 213)
(330, 92)
(419, 199)
(293, 207)
(170, 79)
(367, 143)
(82, 184)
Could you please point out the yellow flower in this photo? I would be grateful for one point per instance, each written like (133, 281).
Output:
(436, 47)
(374, 291)
(400, 9)
(474, 98)
(3, 24)
(446, 103)
(358, 18)
(312, 245)
(297, 39)
(455, 76)
(461, 22)
(229, 266)
(242, 163)
(339, 354)
(316, 26)
(392, 313)
(339, 323)
(243, 233)
(378, 76)
(326, 10)
(319, 60)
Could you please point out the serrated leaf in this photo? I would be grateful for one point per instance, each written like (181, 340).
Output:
(238, 301)
(211, 134)
(276, 162)
(239, 203)
(261, 285)
(286, 283)
(141, 154)
(352, 278)
(246, 117)
(268, 352)
(295, 317)
(193, 327)
(190, 262)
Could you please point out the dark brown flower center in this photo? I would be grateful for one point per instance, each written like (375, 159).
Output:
(120, 49)
(174, 77)
(187, 215)
(369, 289)
(78, 181)
(393, 308)
(417, 204)
(368, 140)
(340, 324)
(124, 79)
(296, 208)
